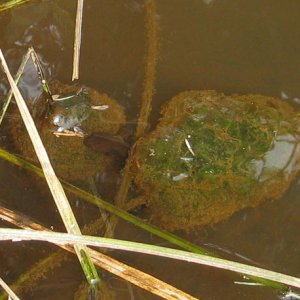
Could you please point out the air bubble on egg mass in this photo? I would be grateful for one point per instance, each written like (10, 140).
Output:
(152, 152)
(208, 2)
(180, 177)
(186, 158)
(284, 95)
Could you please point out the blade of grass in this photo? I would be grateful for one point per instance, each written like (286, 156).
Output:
(17, 79)
(64, 238)
(137, 277)
(8, 290)
(12, 4)
(41, 74)
(30, 53)
(53, 182)
(170, 237)
(77, 40)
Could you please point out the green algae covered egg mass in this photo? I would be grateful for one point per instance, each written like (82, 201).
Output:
(212, 155)
(71, 159)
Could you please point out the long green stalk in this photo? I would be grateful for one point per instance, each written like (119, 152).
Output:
(12, 4)
(55, 186)
(64, 238)
(172, 238)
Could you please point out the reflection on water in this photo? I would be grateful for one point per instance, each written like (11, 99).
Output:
(230, 46)
(287, 148)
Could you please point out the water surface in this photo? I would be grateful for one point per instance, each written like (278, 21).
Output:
(233, 46)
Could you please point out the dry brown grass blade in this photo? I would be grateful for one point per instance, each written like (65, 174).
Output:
(136, 277)
(54, 184)
(17, 78)
(77, 40)
(8, 290)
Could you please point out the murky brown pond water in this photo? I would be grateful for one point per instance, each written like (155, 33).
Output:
(233, 46)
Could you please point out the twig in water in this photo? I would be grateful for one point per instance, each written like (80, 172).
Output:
(148, 91)
(77, 40)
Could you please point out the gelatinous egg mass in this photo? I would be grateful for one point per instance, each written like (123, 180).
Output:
(212, 155)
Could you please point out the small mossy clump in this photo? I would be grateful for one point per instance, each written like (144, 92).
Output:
(212, 155)
(70, 158)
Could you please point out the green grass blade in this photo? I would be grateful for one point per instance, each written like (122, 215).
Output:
(172, 238)
(12, 4)
(64, 238)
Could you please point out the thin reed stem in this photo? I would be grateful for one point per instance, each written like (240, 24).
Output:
(12, 4)
(77, 40)
(66, 238)
(136, 277)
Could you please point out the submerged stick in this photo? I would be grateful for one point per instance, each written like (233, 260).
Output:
(77, 40)
(148, 91)
(150, 69)
(55, 186)
(136, 277)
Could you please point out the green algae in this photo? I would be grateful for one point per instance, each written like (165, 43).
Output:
(212, 155)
